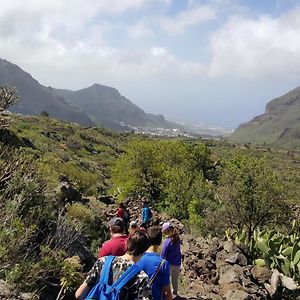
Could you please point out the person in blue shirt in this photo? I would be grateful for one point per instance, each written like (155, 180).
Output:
(155, 267)
(146, 215)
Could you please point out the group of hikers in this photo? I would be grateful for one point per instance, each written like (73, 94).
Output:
(129, 265)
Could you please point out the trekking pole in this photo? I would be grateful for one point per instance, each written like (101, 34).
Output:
(60, 293)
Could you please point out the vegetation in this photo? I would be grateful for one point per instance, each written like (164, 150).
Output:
(7, 98)
(251, 194)
(45, 228)
(278, 127)
(173, 174)
(273, 248)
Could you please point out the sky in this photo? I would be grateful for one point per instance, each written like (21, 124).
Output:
(212, 61)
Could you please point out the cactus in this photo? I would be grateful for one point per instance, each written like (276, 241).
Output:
(274, 249)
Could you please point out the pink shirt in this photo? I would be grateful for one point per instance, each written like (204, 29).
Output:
(115, 246)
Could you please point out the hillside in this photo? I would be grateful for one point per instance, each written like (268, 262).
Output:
(56, 177)
(35, 98)
(96, 105)
(84, 155)
(278, 126)
(107, 107)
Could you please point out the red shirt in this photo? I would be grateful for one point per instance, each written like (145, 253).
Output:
(115, 246)
(120, 213)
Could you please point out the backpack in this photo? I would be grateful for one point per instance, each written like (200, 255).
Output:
(150, 213)
(103, 291)
(126, 216)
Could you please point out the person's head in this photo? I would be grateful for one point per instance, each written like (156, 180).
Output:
(167, 228)
(170, 231)
(155, 235)
(133, 226)
(121, 205)
(137, 243)
(145, 204)
(116, 225)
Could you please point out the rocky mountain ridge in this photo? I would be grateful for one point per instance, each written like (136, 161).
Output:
(35, 98)
(97, 105)
(278, 126)
(107, 107)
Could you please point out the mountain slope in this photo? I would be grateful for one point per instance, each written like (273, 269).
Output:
(107, 107)
(35, 98)
(278, 126)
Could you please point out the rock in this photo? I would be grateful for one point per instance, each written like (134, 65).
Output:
(229, 246)
(8, 292)
(237, 258)
(261, 274)
(106, 199)
(237, 295)
(229, 277)
(289, 283)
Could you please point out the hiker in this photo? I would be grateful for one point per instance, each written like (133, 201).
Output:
(146, 215)
(122, 212)
(133, 226)
(111, 269)
(156, 268)
(172, 253)
(117, 244)
(119, 212)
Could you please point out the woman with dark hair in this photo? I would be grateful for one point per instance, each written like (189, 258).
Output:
(171, 252)
(138, 287)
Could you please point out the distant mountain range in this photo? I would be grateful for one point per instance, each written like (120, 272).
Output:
(278, 126)
(35, 98)
(105, 106)
(96, 105)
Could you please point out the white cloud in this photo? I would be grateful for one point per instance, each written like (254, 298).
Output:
(263, 47)
(139, 30)
(186, 19)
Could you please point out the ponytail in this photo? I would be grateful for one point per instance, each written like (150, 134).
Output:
(175, 236)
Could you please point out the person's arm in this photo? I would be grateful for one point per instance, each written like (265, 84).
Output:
(112, 214)
(103, 251)
(143, 215)
(90, 280)
(165, 281)
(166, 290)
(82, 291)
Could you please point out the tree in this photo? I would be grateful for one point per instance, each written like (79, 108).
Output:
(164, 171)
(7, 98)
(44, 114)
(251, 194)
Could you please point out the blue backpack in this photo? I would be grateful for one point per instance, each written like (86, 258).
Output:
(103, 291)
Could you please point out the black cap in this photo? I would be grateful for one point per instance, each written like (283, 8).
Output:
(116, 222)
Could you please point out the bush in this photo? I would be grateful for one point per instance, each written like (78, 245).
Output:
(251, 195)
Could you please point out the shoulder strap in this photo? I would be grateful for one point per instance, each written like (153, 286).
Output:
(126, 276)
(104, 277)
(156, 272)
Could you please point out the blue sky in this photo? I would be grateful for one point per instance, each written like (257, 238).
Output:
(213, 61)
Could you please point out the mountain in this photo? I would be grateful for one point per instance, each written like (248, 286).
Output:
(107, 107)
(278, 126)
(35, 98)
(95, 105)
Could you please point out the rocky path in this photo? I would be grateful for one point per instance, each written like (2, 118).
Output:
(214, 269)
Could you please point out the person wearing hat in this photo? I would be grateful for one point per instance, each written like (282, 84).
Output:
(133, 226)
(117, 244)
(171, 252)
